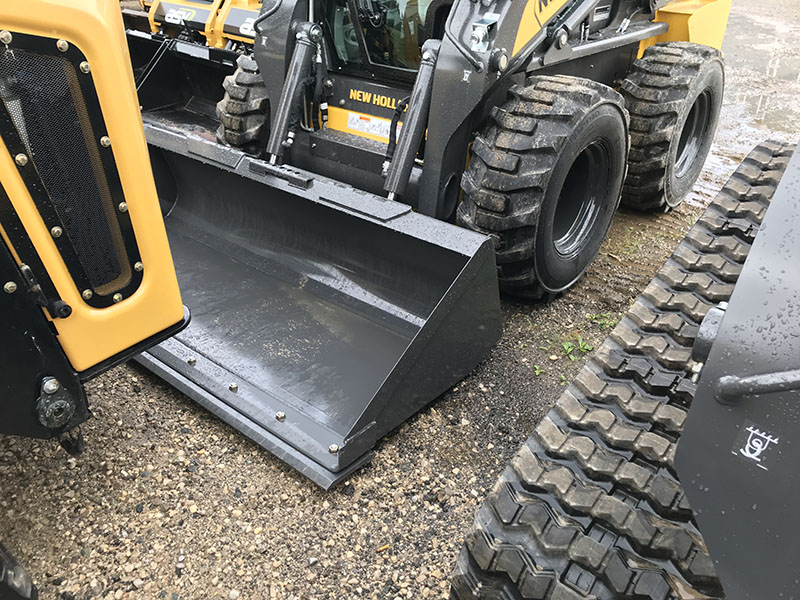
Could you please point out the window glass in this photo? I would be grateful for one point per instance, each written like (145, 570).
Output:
(392, 30)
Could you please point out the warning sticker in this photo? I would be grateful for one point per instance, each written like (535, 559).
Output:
(370, 125)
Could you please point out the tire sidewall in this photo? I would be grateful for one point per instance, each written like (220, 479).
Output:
(712, 78)
(605, 123)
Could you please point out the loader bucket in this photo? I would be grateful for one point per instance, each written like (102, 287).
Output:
(323, 317)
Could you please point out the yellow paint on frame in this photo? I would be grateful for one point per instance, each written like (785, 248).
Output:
(92, 335)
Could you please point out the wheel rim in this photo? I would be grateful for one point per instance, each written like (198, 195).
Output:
(693, 133)
(580, 199)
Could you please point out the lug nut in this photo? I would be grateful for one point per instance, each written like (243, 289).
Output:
(280, 416)
(6, 37)
(117, 298)
(56, 231)
(234, 387)
(62, 45)
(84, 67)
(192, 361)
(87, 294)
(51, 385)
(333, 448)
(10, 287)
(21, 159)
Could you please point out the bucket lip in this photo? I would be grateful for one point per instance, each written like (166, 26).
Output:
(316, 188)
(321, 474)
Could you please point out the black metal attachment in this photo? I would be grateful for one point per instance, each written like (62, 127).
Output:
(42, 394)
(414, 124)
(56, 406)
(324, 316)
(291, 95)
(738, 453)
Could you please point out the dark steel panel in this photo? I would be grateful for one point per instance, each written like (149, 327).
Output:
(322, 315)
(29, 352)
(738, 460)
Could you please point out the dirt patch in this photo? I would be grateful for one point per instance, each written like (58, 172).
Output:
(167, 502)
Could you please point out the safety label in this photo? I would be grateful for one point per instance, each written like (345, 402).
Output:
(370, 125)
(753, 445)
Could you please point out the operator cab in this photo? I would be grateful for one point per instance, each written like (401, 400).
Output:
(390, 32)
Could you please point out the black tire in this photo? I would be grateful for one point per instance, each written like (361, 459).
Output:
(674, 96)
(544, 180)
(243, 112)
(590, 506)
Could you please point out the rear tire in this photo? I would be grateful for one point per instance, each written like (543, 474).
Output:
(544, 180)
(243, 112)
(674, 96)
(590, 506)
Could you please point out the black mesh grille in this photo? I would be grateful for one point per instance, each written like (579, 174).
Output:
(42, 95)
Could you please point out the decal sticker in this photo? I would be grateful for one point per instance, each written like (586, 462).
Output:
(370, 125)
(247, 29)
(753, 443)
(179, 16)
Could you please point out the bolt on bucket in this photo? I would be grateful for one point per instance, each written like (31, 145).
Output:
(322, 316)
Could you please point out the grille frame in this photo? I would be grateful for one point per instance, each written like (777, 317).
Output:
(130, 278)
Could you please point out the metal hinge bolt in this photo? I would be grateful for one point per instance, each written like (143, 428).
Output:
(51, 386)
(333, 448)
(10, 287)
(234, 387)
(280, 416)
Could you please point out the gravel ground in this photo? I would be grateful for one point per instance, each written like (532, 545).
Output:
(167, 502)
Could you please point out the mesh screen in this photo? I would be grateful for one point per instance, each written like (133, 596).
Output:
(43, 97)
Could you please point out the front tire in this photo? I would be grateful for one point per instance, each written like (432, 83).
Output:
(674, 96)
(544, 180)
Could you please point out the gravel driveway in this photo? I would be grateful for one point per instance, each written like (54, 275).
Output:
(167, 502)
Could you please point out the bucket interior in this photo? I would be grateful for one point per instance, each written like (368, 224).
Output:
(307, 303)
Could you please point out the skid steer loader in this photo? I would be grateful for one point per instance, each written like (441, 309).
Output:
(311, 156)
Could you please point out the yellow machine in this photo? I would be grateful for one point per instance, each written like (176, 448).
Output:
(79, 215)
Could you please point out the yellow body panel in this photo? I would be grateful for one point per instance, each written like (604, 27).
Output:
(536, 14)
(208, 31)
(697, 21)
(91, 335)
(218, 36)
